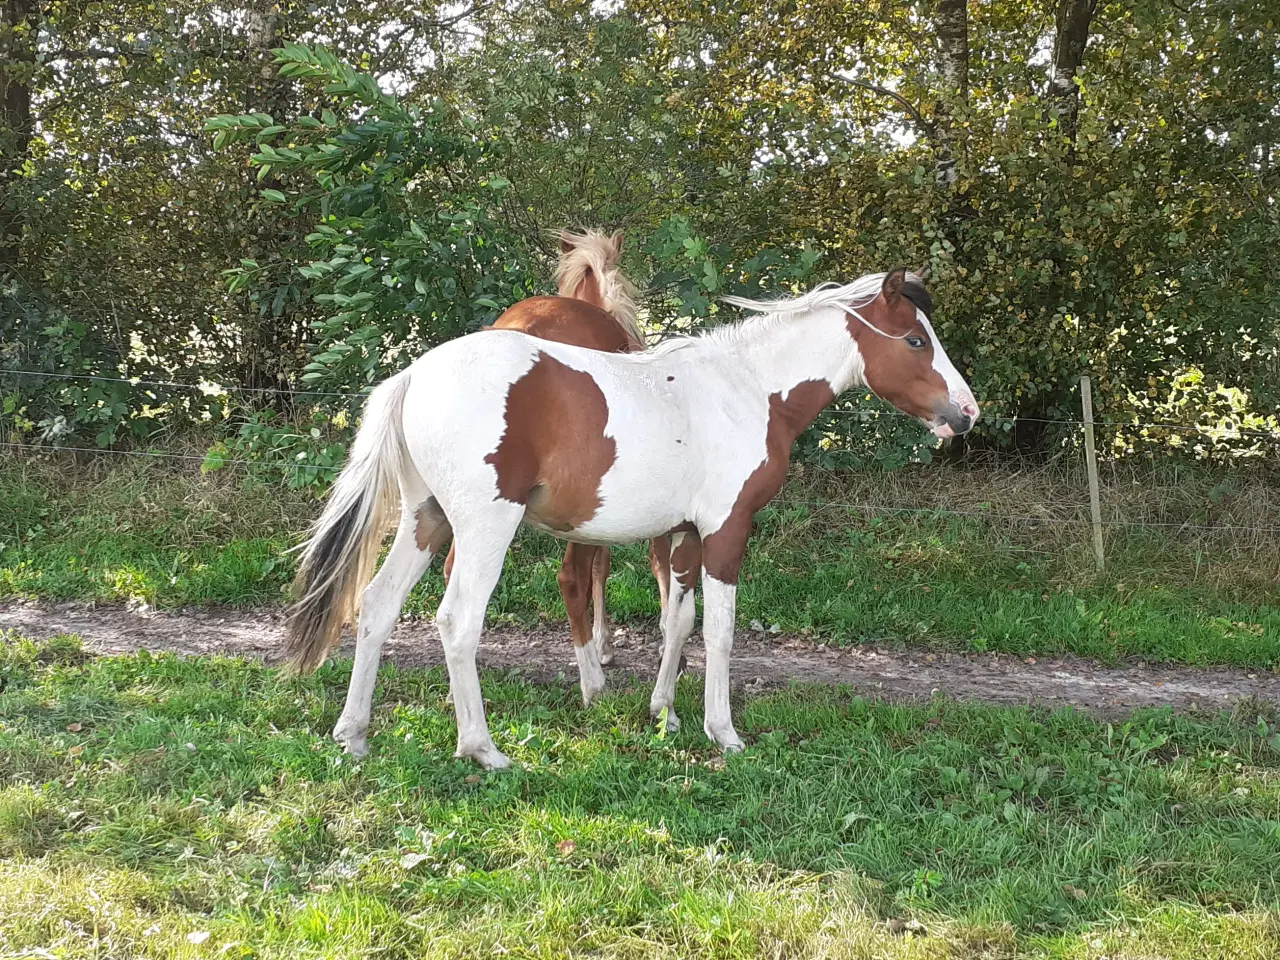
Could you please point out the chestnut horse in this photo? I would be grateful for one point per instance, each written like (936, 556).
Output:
(692, 438)
(596, 309)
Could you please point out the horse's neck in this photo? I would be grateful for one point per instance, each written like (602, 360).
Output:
(807, 347)
(588, 290)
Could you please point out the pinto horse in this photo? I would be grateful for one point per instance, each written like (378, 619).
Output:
(596, 309)
(690, 439)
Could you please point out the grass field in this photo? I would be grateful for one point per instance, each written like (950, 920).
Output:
(150, 531)
(160, 807)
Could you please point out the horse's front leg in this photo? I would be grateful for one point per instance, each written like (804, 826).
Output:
(719, 603)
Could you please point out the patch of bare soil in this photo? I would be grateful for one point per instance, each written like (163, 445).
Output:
(760, 662)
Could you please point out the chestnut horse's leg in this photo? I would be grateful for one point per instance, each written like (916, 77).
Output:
(660, 564)
(683, 563)
(600, 621)
(575, 588)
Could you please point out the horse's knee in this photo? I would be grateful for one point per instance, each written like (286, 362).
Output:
(575, 576)
(571, 586)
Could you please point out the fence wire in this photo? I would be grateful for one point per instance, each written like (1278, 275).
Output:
(780, 502)
(870, 416)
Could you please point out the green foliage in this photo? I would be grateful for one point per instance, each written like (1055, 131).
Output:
(728, 143)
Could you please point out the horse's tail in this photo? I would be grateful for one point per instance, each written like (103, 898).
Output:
(339, 557)
(595, 251)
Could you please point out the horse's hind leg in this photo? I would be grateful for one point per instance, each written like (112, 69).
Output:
(677, 622)
(600, 621)
(448, 564)
(575, 582)
(660, 564)
(482, 543)
(423, 530)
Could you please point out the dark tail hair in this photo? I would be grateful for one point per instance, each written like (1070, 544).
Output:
(339, 557)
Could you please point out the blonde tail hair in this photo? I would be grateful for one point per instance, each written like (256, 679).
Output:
(339, 557)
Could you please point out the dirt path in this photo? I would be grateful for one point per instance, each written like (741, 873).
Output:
(759, 662)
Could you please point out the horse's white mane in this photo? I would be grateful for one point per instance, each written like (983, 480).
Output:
(772, 313)
(594, 250)
(857, 294)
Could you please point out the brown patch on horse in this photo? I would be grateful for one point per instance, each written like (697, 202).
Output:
(894, 370)
(567, 320)
(432, 531)
(723, 550)
(686, 561)
(554, 452)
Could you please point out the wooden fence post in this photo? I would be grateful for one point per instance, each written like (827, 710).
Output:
(1091, 462)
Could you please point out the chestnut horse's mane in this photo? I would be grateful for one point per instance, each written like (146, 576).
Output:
(598, 252)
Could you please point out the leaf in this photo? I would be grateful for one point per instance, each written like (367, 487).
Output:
(566, 847)
(74, 727)
(215, 459)
(411, 860)
(275, 196)
(485, 302)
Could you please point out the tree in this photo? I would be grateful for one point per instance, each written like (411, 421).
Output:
(1071, 35)
(19, 20)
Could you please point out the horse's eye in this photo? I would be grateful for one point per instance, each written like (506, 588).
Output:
(915, 343)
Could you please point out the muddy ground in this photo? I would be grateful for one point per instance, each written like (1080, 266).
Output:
(760, 661)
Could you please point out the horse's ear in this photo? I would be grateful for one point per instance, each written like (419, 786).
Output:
(892, 288)
(566, 241)
(616, 241)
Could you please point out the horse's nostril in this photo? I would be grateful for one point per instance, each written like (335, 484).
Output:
(970, 410)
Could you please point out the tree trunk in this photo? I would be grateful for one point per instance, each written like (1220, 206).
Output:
(1071, 35)
(272, 337)
(952, 25)
(19, 20)
(263, 33)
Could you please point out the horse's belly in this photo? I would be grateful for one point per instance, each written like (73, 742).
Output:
(642, 496)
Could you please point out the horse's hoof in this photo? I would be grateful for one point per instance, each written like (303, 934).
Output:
(489, 757)
(354, 742)
(673, 722)
(728, 740)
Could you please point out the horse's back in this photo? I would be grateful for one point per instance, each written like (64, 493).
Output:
(556, 427)
(566, 320)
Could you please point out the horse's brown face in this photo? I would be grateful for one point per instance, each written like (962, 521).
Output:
(904, 362)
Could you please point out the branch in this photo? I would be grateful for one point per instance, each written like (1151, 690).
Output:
(82, 55)
(886, 92)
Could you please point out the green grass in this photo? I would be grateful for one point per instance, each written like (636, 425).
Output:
(144, 531)
(161, 807)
